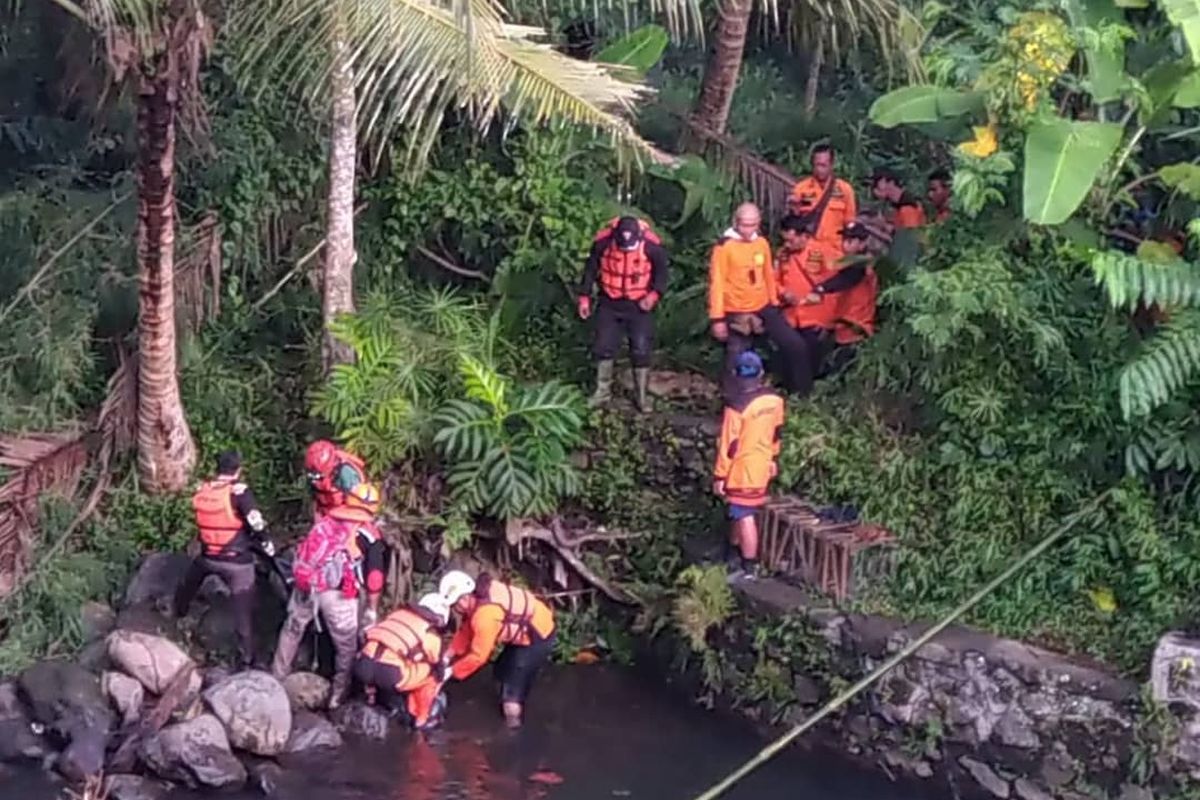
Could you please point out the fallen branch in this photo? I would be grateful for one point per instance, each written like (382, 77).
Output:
(56, 255)
(552, 536)
(450, 266)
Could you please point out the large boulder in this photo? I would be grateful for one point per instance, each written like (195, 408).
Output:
(133, 787)
(196, 753)
(307, 690)
(153, 660)
(10, 701)
(17, 740)
(83, 757)
(97, 620)
(360, 719)
(255, 710)
(65, 697)
(125, 693)
(310, 732)
(157, 578)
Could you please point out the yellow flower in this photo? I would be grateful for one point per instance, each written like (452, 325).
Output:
(984, 143)
(1103, 599)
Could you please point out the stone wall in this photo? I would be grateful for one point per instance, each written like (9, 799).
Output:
(974, 715)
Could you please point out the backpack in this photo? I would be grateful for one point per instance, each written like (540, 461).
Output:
(323, 560)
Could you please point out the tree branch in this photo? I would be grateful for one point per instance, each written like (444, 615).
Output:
(304, 259)
(449, 265)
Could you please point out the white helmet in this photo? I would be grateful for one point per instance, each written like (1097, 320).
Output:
(455, 585)
(437, 604)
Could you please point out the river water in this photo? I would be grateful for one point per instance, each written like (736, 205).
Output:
(592, 733)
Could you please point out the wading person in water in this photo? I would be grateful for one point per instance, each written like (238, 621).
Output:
(745, 463)
(403, 658)
(494, 614)
(631, 265)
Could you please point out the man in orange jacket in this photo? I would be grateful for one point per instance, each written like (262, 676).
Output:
(494, 614)
(743, 301)
(828, 198)
(230, 527)
(904, 210)
(857, 287)
(802, 265)
(745, 463)
(404, 655)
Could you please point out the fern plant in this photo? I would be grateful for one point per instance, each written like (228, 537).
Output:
(509, 448)
(703, 601)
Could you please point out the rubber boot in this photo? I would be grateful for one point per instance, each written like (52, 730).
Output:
(604, 379)
(641, 388)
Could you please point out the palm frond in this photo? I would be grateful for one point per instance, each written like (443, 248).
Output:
(1167, 364)
(1128, 280)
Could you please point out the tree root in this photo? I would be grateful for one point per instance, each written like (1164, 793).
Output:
(565, 545)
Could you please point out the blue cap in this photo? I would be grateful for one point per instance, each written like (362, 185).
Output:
(748, 365)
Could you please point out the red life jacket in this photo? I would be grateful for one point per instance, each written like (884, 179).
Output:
(216, 517)
(405, 634)
(325, 493)
(626, 274)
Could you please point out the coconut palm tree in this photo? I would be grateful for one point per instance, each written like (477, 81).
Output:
(159, 45)
(379, 66)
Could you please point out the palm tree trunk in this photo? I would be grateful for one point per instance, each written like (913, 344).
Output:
(338, 278)
(166, 452)
(814, 78)
(724, 65)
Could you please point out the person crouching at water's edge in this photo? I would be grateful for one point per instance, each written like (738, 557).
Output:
(493, 614)
(403, 655)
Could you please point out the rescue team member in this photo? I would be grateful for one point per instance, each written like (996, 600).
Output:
(829, 199)
(359, 508)
(631, 265)
(745, 463)
(743, 301)
(403, 656)
(493, 614)
(938, 193)
(857, 286)
(230, 526)
(326, 589)
(905, 210)
(332, 473)
(802, 264)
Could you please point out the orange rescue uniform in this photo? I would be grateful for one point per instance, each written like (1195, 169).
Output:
(508, 615)
(839, 212)
(748, 447)
(800, 272)
(909, 214)
(407, 641)
(325, 494)
(740, 277)
(856, 310)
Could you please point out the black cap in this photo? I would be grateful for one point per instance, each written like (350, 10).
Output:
(800, 223)
(229, 462)
(884, 174)
(627, 233)
(855, 230)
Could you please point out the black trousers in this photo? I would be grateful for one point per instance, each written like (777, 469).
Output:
(795, 359)
(620, 319)
(517, 667)
(239, 576)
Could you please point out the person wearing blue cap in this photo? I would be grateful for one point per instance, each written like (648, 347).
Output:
(745, 464)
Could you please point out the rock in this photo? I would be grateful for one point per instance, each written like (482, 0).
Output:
(255, 710)
(149, 619)
(266, 777)
(215, 675)
(1028, 790)
(84, 756)
(94, 657)
(65, 697)
(125, 693)
(808, 692)
(157, 578)
(98, 620)
(310, 732)
(985, 777)
(196, 753)
(1131, 792)
(1057, 770)
(1016, 729)
(10, 701)
(360, 719)
(307, 690)
(923, 769)
(153, 660)
(18, 742)
(1175, 670)
(133, 787)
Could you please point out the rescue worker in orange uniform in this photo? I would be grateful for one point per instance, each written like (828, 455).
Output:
(745, 463)
(857, 287)
(828, 198)
(743, 301)
(631, 265)
(359, 509)
(802, 264)
(404, 655)
(905, 210)
(332, 474)
(939, 193)
(494, 614)
(230, 527)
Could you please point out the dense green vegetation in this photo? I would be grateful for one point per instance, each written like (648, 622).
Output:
(1024, 367)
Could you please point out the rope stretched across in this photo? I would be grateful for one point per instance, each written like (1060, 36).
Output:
(770, 750)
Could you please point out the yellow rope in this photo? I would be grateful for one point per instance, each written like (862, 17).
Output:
(770, 750)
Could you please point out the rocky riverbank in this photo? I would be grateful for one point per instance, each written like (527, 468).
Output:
(151, 703)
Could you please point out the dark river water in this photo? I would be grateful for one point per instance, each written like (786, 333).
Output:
(592, 733)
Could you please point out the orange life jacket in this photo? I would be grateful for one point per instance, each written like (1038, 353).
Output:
(626, 274)
(216, 517)
(520, 607)
(326, 494)
(360, 505)
(856, 310)
(404, 635)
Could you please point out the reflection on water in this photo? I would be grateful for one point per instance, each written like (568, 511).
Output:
(592, 733)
